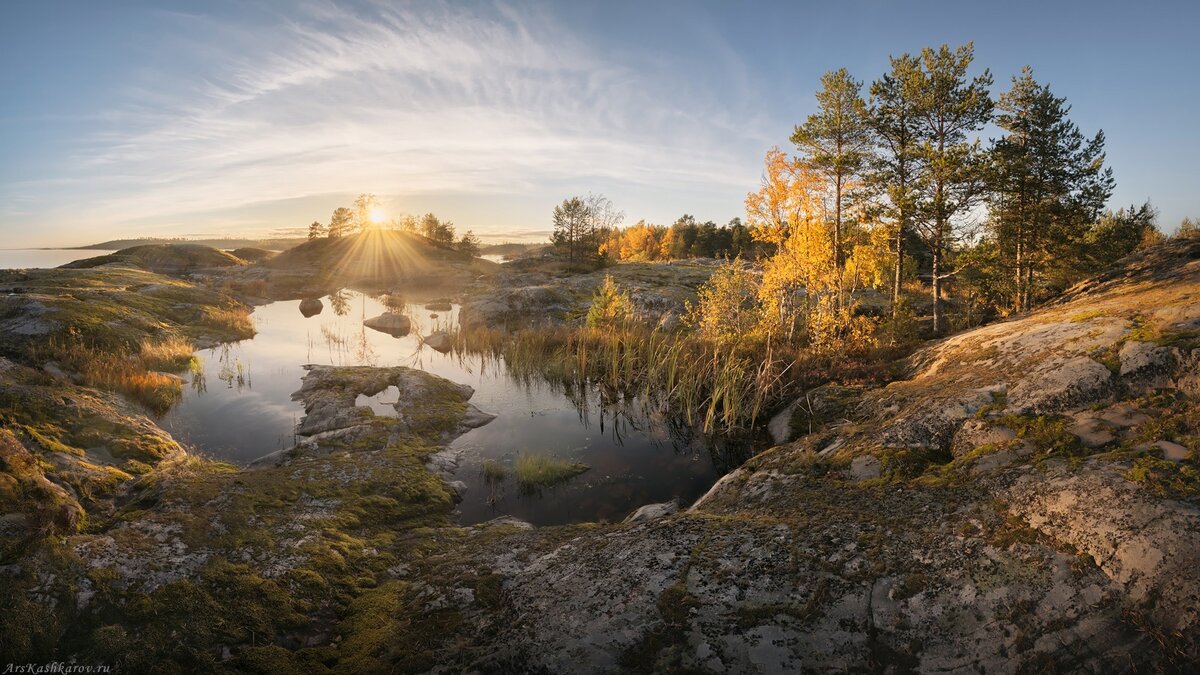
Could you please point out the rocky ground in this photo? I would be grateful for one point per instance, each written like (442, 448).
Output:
(1026, 497)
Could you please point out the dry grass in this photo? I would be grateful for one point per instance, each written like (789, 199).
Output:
(174, 354)
(713, 388)
(236, 321)
(117, 372)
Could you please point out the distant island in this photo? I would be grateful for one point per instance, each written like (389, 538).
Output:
(276, 244)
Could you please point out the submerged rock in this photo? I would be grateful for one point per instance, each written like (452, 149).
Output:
(439, 341)
(396, 325)
(311, 307)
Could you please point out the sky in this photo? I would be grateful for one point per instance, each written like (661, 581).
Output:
(135, 118)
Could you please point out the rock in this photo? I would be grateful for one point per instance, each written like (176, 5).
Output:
(521, 306)
(976, 432)
(780, 425)
(1145, 365)
(652, 512)
(311, 307)
(1123, 415)
(1061, 384)
(1172, 451)
(438, 340)
(440, 305)
(1149, 546)
(459, 489)
(427, 405)
(864, 467)
(396, 325)
(474, 417)
(1091, 429)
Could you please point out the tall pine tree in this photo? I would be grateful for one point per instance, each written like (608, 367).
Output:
(837, 141)
(1048, 182)
(895, 170)
(949, 107)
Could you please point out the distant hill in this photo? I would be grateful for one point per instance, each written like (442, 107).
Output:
(279, 244)
(375, 256)
(163, 258)
(508, 248)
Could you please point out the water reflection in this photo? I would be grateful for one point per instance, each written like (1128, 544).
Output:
(638, 452)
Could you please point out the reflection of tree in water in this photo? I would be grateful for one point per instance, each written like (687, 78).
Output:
(233, 372)
(363, 351)
(339, 300)
(393, 302)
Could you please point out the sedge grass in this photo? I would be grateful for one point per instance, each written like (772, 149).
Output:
(536, 471)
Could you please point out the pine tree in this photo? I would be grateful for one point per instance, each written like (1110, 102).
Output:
(949, 107)
(570, 226)
(341, 222)
(316, 230)
(837, 141)
(1048, 181)
(895, 170)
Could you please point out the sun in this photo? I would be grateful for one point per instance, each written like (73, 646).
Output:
(376, 215)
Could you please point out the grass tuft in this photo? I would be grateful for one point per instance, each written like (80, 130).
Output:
(493, 471)
(174, 354)
(235, 321)
(540, 471)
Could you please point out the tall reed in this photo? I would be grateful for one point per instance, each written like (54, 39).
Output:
(715, 388)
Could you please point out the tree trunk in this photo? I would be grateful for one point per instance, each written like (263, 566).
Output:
(837, 223)
(937, 290)
(899, 269)
(1017, 299)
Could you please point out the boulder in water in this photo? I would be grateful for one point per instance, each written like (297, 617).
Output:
(438, 340)
(396, 325)
(311, 307)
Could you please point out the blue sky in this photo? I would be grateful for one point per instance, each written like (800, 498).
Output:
(129, 118)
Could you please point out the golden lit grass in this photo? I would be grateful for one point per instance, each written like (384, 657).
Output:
(540, 471)
(716, 388)
(173, 354)
(119, 372)
(236, 321)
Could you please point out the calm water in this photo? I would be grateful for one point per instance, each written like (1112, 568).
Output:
(244, 410)
(21, 258)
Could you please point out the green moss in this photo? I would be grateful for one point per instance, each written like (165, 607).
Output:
(1087, 316)
(1173, 480)
(1049, 434)
(489, 591)
(908, 463)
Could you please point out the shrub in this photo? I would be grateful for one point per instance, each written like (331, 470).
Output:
(610, 306)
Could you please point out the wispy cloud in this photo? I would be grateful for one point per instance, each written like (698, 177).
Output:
(397, 100)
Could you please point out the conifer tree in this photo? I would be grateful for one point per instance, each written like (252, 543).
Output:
(837, 141)
(949, 107)
(895, 170)
(1048, 182)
